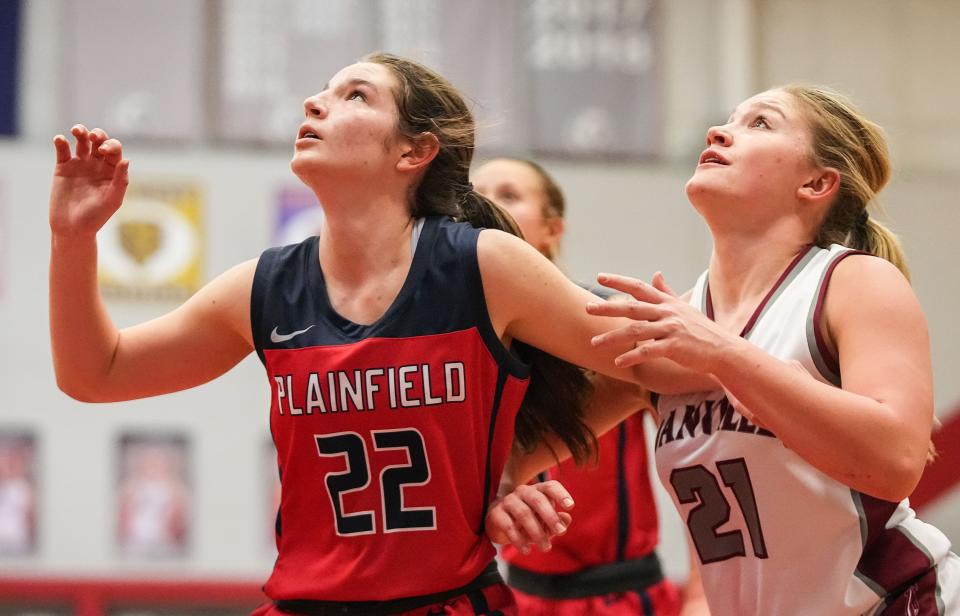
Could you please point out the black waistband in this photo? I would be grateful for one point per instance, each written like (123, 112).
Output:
(303, 607)
(621, 576)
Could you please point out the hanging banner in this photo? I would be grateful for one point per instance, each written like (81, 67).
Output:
(151, 249)
(590, 67)
(9, 62)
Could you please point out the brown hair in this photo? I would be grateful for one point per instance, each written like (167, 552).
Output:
(428, 103)
(556, 206)
(857, 148)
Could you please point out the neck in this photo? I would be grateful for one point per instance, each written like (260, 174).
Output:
(743, 267)
(364, 234)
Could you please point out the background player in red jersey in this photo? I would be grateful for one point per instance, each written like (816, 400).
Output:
(822, 358)
(605, 563)
(386, 342)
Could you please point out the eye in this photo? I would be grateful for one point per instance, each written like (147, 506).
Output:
(357, 95)
(760, 122)
(508, 196)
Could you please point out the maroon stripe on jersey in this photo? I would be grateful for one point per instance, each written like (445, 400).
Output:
(890, 558)
(825, 351)
(918, 599)
(763, 303)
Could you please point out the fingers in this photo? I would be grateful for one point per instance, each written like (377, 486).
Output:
(97, 136)
(82, 135)
(555, 491)
(638, 331)
(121, 173)
(500, 529)
(530, 515)
(525, 508)
(660, 283)
(111, 150)
(633, 286)
(642, 352)
(62, 148)
(632, 309)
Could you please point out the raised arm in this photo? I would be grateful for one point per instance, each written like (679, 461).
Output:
(93, 360)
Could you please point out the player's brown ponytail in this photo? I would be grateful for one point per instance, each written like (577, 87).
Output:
(428, 103)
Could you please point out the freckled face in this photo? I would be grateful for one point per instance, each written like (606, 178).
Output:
(517, 188)
(350, 127)
(761, 155)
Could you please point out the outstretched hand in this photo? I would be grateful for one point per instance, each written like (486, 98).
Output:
(88, 184)
(530, 515)
(664, 325)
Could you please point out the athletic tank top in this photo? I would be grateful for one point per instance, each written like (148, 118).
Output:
(391, 437)
(773, 534)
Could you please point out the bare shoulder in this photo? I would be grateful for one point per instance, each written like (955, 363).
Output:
(860, 277)
(507, 259)
(869, 291)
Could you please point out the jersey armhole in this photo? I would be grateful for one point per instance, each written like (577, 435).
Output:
(504, 356)
(824, 354)
(258, 292)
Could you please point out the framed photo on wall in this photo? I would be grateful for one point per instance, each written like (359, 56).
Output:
(153, 495)
(18, 493)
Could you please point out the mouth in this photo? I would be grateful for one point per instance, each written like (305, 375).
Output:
(710, 156)
(307, 133)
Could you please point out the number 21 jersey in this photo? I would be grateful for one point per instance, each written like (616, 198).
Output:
(773, 534)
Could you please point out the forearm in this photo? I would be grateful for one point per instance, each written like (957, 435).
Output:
(82, 335)
(864, 443)
(666, 377)
(611, 401)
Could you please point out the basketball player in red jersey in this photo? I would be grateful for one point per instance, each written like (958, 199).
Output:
(605, 564)
(387, 342)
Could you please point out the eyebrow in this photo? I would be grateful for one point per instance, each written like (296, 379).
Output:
(765, 105)
(356, 81)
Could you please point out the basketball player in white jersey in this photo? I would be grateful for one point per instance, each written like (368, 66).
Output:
(793, 475)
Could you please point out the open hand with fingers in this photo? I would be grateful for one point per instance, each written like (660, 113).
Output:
(88, 183)
(664, 325)
(530, 514)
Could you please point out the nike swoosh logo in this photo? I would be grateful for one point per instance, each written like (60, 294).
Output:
(275, 337)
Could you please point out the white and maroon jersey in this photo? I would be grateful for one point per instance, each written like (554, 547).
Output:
(774, 535)
(391, 437)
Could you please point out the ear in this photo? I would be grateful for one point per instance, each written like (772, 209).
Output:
(417, 153)
(821, 186)
(555, 227)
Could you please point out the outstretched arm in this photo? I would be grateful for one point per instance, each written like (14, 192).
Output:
(531, 300)
(93, 360)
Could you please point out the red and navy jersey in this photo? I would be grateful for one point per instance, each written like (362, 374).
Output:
(615, 518)
(391, 437)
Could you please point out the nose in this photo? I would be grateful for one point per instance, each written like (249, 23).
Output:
(313, 107)
(717, 135)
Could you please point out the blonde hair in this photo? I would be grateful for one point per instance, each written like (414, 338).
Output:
(856, 147)
(845, 140)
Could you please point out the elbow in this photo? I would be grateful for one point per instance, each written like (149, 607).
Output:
(77, 391)
(901, 480)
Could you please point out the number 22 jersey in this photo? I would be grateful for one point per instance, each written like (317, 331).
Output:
(391, 436)
(773, 534)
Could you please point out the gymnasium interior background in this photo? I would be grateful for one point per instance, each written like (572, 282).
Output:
(612, 96)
